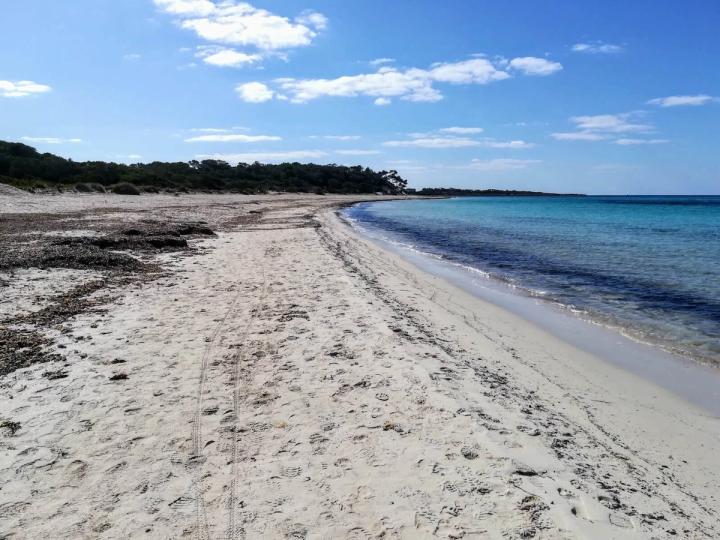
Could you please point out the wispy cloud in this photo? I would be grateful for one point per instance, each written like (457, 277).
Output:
(610, 123)
(631, 142)
(441, 140)
(337, 137)
(353, 152)
(51, 140)
(597, 47)
(579, 136)
(462, 130)
(682, 101)
(218, 130)
(501, 164)
(131, 57)
(513, 145)
(222, 57)
(272, 157)
(19, 89)
(128, 158)
(413, 84)
(435, 142)
(615, 167)
(381, 61)
(233, 137)
(603, 126)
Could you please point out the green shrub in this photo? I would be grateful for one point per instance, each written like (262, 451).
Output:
(125, 188)
(83, 188)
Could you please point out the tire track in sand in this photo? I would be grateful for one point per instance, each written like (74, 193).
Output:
(202, 527)
(231, 533)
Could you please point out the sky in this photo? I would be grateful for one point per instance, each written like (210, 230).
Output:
(608, 97)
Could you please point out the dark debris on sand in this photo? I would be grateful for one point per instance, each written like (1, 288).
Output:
(118, 249)
(67, 305)
(75, 256)
(31, 249)
(23, 348)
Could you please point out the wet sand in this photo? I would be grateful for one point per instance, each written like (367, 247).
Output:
(287, 378)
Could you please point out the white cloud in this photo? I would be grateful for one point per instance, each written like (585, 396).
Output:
(435, 142)
(412, 84)
(313, 19)
(51, 140)
(234, 137)
(477, 70)
(597, 47)
(515, 145)
(357, 152)
(462, 130)
(382, 102)
(237, 23)
(18, 89)
(337, 137)
(132, 57)
(431, 140)
(210, 130)
(254, 92)
(381, 61)
(579, 136)
(226, 57)
(134, 156)
(609, 123)
(678, 101)
(531, 65)
(500, 164)
(187, 8)
(629, 142)
(385, 83)
(251, 157)
(608, 126)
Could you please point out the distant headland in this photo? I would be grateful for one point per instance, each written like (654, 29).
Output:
(459, 192)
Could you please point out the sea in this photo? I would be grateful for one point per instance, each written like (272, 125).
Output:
(646, 266)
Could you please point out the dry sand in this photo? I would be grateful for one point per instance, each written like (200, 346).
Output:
(288, 379)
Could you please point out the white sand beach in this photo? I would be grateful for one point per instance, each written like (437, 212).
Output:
(289, 379)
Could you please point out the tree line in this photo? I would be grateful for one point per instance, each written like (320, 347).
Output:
(23, 166)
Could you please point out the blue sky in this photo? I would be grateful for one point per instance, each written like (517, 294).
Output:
(596, 97)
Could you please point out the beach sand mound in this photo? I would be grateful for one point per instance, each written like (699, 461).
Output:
(10, 191)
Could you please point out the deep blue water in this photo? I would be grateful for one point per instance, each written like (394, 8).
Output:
(649, 265)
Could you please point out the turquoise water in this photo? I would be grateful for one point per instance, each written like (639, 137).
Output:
(647, 265)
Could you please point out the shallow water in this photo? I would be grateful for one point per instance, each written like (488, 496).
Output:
(649, 266)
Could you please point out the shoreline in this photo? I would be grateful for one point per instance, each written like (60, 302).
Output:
(289, 378)
(690, 378)
(672, 344)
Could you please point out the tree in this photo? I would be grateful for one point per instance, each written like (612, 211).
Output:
(398, 183)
